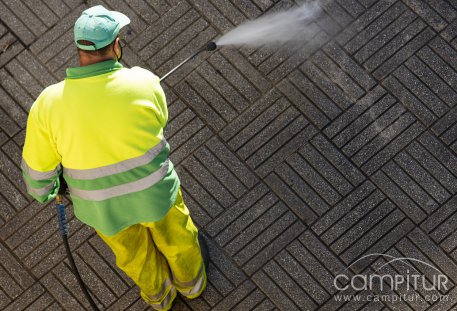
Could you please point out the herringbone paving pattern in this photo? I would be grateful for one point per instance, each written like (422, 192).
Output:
(296, 161)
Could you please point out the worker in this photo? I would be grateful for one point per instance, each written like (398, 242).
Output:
(103, 127)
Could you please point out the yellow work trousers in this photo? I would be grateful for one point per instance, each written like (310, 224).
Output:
(162, 257)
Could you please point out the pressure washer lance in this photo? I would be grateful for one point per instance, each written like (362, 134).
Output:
(210, 46)
(64, 232)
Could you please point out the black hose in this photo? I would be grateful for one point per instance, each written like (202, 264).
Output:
(64, 232)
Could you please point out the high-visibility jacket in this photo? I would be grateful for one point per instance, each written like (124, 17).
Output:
(103, 125)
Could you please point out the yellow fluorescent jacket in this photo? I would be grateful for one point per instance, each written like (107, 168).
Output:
(103, 125)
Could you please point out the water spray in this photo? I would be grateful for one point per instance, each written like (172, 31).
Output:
(293, 25)
(210, 46)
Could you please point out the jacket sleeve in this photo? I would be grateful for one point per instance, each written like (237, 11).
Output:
(161, 102)
(40, 159)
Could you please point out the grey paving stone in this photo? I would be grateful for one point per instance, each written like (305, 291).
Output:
(217, 81)
(273, 291)
(184, 34)
(374, 130)
(214, 15)
(204, 199)
(315, 95)
(286, 59)
(282, 187)
(402, 55)
(441, 215)
(408, 206)
(337, 75)
(235, 297)
(246, 70)
(188, 141)
(361, 227)
(19, 91)
(266, 207)
(351, 221)
(234, 77)
(364, 20)
(422, 178)
(206, 112)
(27, 298)
(450, 32)
(285, 229)
(406, 31)
(353, 7)
(344, 207)
(252, 301)
(19, 28)
(10, 47)
(411, 188)
(393, 148)
(234, 165)
(323, 82)
(312, 113)
(287, 284)
(61, 294)
(367, 34)
(222, 173)
(311, 175)
(419, 243)
(370, 240)
(429, 14)
(96, 262)
(433, 81)
(143, 39)
(249, 226)
(352, 113)
(202, 175)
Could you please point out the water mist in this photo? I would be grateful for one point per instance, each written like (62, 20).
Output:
(280, 27)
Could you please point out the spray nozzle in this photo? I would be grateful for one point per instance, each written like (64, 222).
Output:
(211, 46)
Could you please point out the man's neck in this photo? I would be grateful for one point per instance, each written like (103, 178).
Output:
(86, 61)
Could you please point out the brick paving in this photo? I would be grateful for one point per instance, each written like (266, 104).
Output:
(295, 162)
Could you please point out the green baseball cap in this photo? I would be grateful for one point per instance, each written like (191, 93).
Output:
(99, 26)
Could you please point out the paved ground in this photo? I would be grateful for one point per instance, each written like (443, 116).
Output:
(295, 163)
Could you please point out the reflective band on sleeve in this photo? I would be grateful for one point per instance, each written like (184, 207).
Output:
(36, 175)
(135, 186)
(116, 168)
(41, 191)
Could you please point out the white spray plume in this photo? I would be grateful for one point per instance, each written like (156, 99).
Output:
(280, 27)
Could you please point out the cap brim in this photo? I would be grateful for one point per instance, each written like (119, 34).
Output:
(121, 18)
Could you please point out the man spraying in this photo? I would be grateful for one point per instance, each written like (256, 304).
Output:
(103, 126)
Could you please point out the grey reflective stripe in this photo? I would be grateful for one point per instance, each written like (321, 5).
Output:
(116, 168)
(166, 301)
(159, 296)
(36, 175)
(190, 283)
(196, 284)
(134, 186)
(197, 287)
(41, 191)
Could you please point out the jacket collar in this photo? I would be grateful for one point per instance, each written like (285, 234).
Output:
(93, 70)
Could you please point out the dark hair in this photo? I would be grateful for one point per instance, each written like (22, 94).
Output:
(100, 52)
